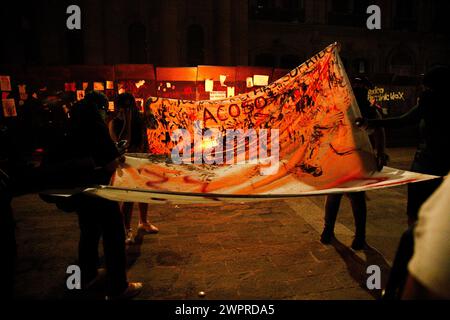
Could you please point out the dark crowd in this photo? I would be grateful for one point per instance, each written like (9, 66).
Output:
(58, 143)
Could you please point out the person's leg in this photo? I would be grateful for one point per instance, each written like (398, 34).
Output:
(113, 244)
(418, 194)
(359, 208)
(90, 233)
(127, 211)
(399, 270)
(332, 205)
(143, 209)
(144, 224)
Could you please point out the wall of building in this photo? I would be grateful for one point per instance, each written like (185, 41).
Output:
(273, 33)
(157, 32)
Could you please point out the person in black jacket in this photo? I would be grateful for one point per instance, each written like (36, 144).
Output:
(432, 114)
(99, 217)
(361, 88)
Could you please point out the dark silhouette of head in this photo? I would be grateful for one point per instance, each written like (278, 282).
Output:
(88, 110)
(361, 87)
(97, 100)
(437, 78)
(126, 101)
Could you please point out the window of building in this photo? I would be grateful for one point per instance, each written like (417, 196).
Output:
(290, 61)
(402, 63)
(137, 43)
(195, 45)
(361, 66)
(265, 60)
(75, 46)
(404, 8)
(348, 12)
(345, 63)
(29, 34)
(441, 8)
(341, 6)
(292, 11)
(360, 6)
(405, 15)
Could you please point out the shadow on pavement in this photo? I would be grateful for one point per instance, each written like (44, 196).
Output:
(133, 252)
(357, 267)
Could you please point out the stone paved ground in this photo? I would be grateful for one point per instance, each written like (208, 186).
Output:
(267, 250)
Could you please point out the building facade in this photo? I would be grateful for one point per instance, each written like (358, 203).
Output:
(275, 33)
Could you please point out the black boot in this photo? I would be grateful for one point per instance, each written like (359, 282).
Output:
(359, 208)
(331, 210)
(327, 236)
(359, 243)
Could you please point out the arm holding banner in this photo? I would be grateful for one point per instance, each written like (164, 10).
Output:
(411, 117)
(379, 143)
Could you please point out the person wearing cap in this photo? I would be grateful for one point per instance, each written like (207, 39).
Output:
(361, 88)
(128, 126)
(432, 114)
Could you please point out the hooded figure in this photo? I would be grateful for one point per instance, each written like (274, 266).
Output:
(98, 217)
(432, 114)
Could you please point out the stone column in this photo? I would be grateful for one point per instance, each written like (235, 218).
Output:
(223, 32)
(320, 12)
(424, 20)
(169, 33)
(240, 33)
(92, 26)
